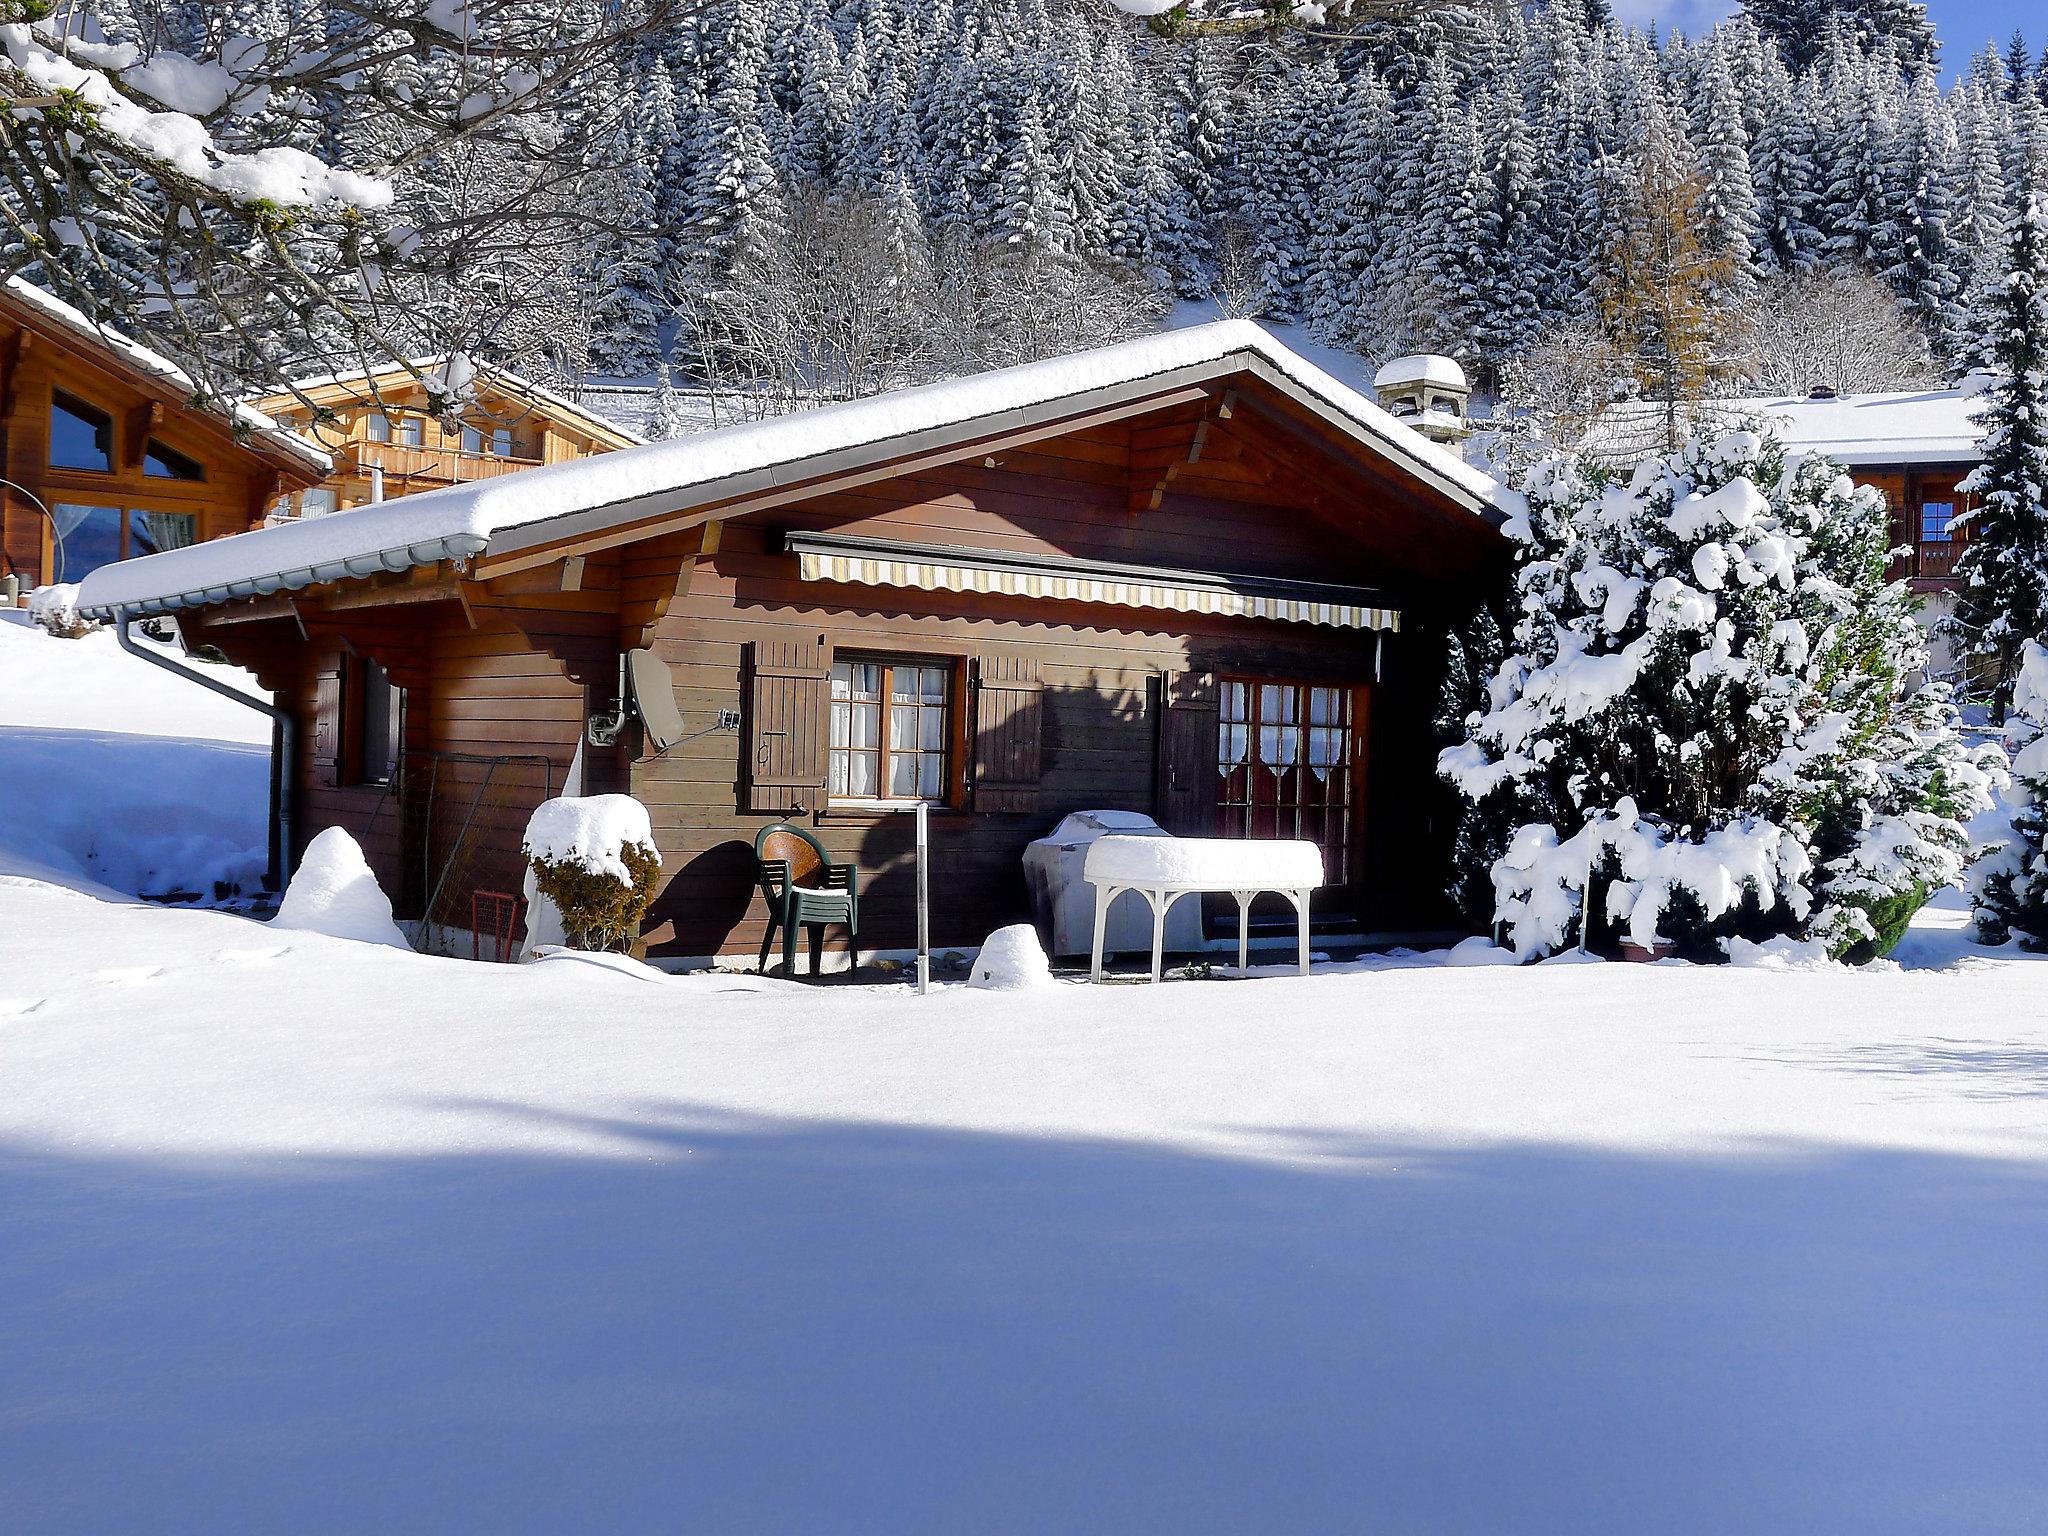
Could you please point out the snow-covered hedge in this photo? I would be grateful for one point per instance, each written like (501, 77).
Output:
(594, 857)
(1707, 713)
(2010, 883)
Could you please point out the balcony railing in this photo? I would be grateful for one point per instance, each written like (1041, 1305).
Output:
(417, 468)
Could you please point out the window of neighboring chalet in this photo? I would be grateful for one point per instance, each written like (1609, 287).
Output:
(379, 427)
(891, 725)
(473, 440)
(162, 463)
(501, 442)
(81, 435)
(412, 431)
(93, 536)
(1937, 522)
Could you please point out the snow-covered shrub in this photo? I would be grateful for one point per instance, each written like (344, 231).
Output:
(335, 892)
(55, 608)
(1706, 714)
(2010, 883)
(594, 858)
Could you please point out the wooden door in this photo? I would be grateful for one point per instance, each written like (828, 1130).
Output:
(1289, 764)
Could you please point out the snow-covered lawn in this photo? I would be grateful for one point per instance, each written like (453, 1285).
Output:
(303, 1235)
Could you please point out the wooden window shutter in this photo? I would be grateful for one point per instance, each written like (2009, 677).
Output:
(1009, 733)
(1188, 781)
(327, 723)
(788, 725)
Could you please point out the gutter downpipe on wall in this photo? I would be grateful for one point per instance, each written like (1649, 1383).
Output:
(283, 742)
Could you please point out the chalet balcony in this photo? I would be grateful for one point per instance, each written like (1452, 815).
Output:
(407, 468)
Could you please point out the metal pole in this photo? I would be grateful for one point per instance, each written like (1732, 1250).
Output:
(924, 901)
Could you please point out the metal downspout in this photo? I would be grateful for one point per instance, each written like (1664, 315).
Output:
(283, 741)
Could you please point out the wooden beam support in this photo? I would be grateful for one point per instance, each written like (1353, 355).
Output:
(1177, 450)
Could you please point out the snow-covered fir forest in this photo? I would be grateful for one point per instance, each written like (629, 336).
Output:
(1454, 182)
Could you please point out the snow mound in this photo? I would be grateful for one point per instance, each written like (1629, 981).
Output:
(1011, 960)
(336, 893)
(1479, 950)
(114, 773)
(1779, 954)
(1212, 863)
(590, 831)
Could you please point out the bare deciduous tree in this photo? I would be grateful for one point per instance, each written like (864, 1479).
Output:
(1839, 329)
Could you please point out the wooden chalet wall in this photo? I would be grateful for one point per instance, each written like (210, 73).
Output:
(1126, 493)
(481, 690)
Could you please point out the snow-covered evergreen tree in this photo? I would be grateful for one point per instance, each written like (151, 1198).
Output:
(2003, 570)
(2010, 882)
(1706, 714)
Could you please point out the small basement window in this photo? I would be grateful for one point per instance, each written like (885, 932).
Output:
(81, 435)
(169, 464)
(891, 722)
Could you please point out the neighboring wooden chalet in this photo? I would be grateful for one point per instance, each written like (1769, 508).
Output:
(1917, 446)
(103, 433)
(1190, 575)
(387, 442)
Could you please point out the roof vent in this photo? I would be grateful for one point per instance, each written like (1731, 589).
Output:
(1821, 392)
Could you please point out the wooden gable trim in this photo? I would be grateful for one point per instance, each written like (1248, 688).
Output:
(742, 506)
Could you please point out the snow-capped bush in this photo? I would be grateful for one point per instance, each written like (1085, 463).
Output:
(2010, 883)
(594, 857)
(55, 608)
(1705, 714)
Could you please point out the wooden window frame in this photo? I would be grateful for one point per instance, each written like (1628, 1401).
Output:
(953, 795)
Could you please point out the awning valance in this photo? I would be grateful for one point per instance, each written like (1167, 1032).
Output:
(954, 568)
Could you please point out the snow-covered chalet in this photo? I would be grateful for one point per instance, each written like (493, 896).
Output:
(1190, 575)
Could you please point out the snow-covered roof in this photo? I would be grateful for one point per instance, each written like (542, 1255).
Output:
(503, 377)
(1423, 368)
(1902, 427)
(146, 360)
(561, 501)
(1919, 426)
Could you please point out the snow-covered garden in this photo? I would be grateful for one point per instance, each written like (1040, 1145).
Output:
(311, 1234)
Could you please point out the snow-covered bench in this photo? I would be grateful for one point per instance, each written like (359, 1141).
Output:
(1164, 869)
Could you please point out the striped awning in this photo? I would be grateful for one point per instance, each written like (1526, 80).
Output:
(950, 568)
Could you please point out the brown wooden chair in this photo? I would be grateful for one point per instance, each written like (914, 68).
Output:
(805, 889)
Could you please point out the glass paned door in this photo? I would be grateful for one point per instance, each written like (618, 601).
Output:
(1285, 765)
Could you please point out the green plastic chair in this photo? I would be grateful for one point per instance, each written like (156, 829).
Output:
(805, 889)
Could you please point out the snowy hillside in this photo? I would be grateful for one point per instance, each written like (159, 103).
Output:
(116, 773)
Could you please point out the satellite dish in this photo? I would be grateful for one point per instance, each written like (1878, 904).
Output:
(654, 698)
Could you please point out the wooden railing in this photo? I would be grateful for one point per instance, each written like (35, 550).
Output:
(437, 466)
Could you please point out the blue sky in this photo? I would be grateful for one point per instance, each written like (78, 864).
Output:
(1962, 25)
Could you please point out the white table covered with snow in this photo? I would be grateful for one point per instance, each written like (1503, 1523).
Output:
(1164, 869)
